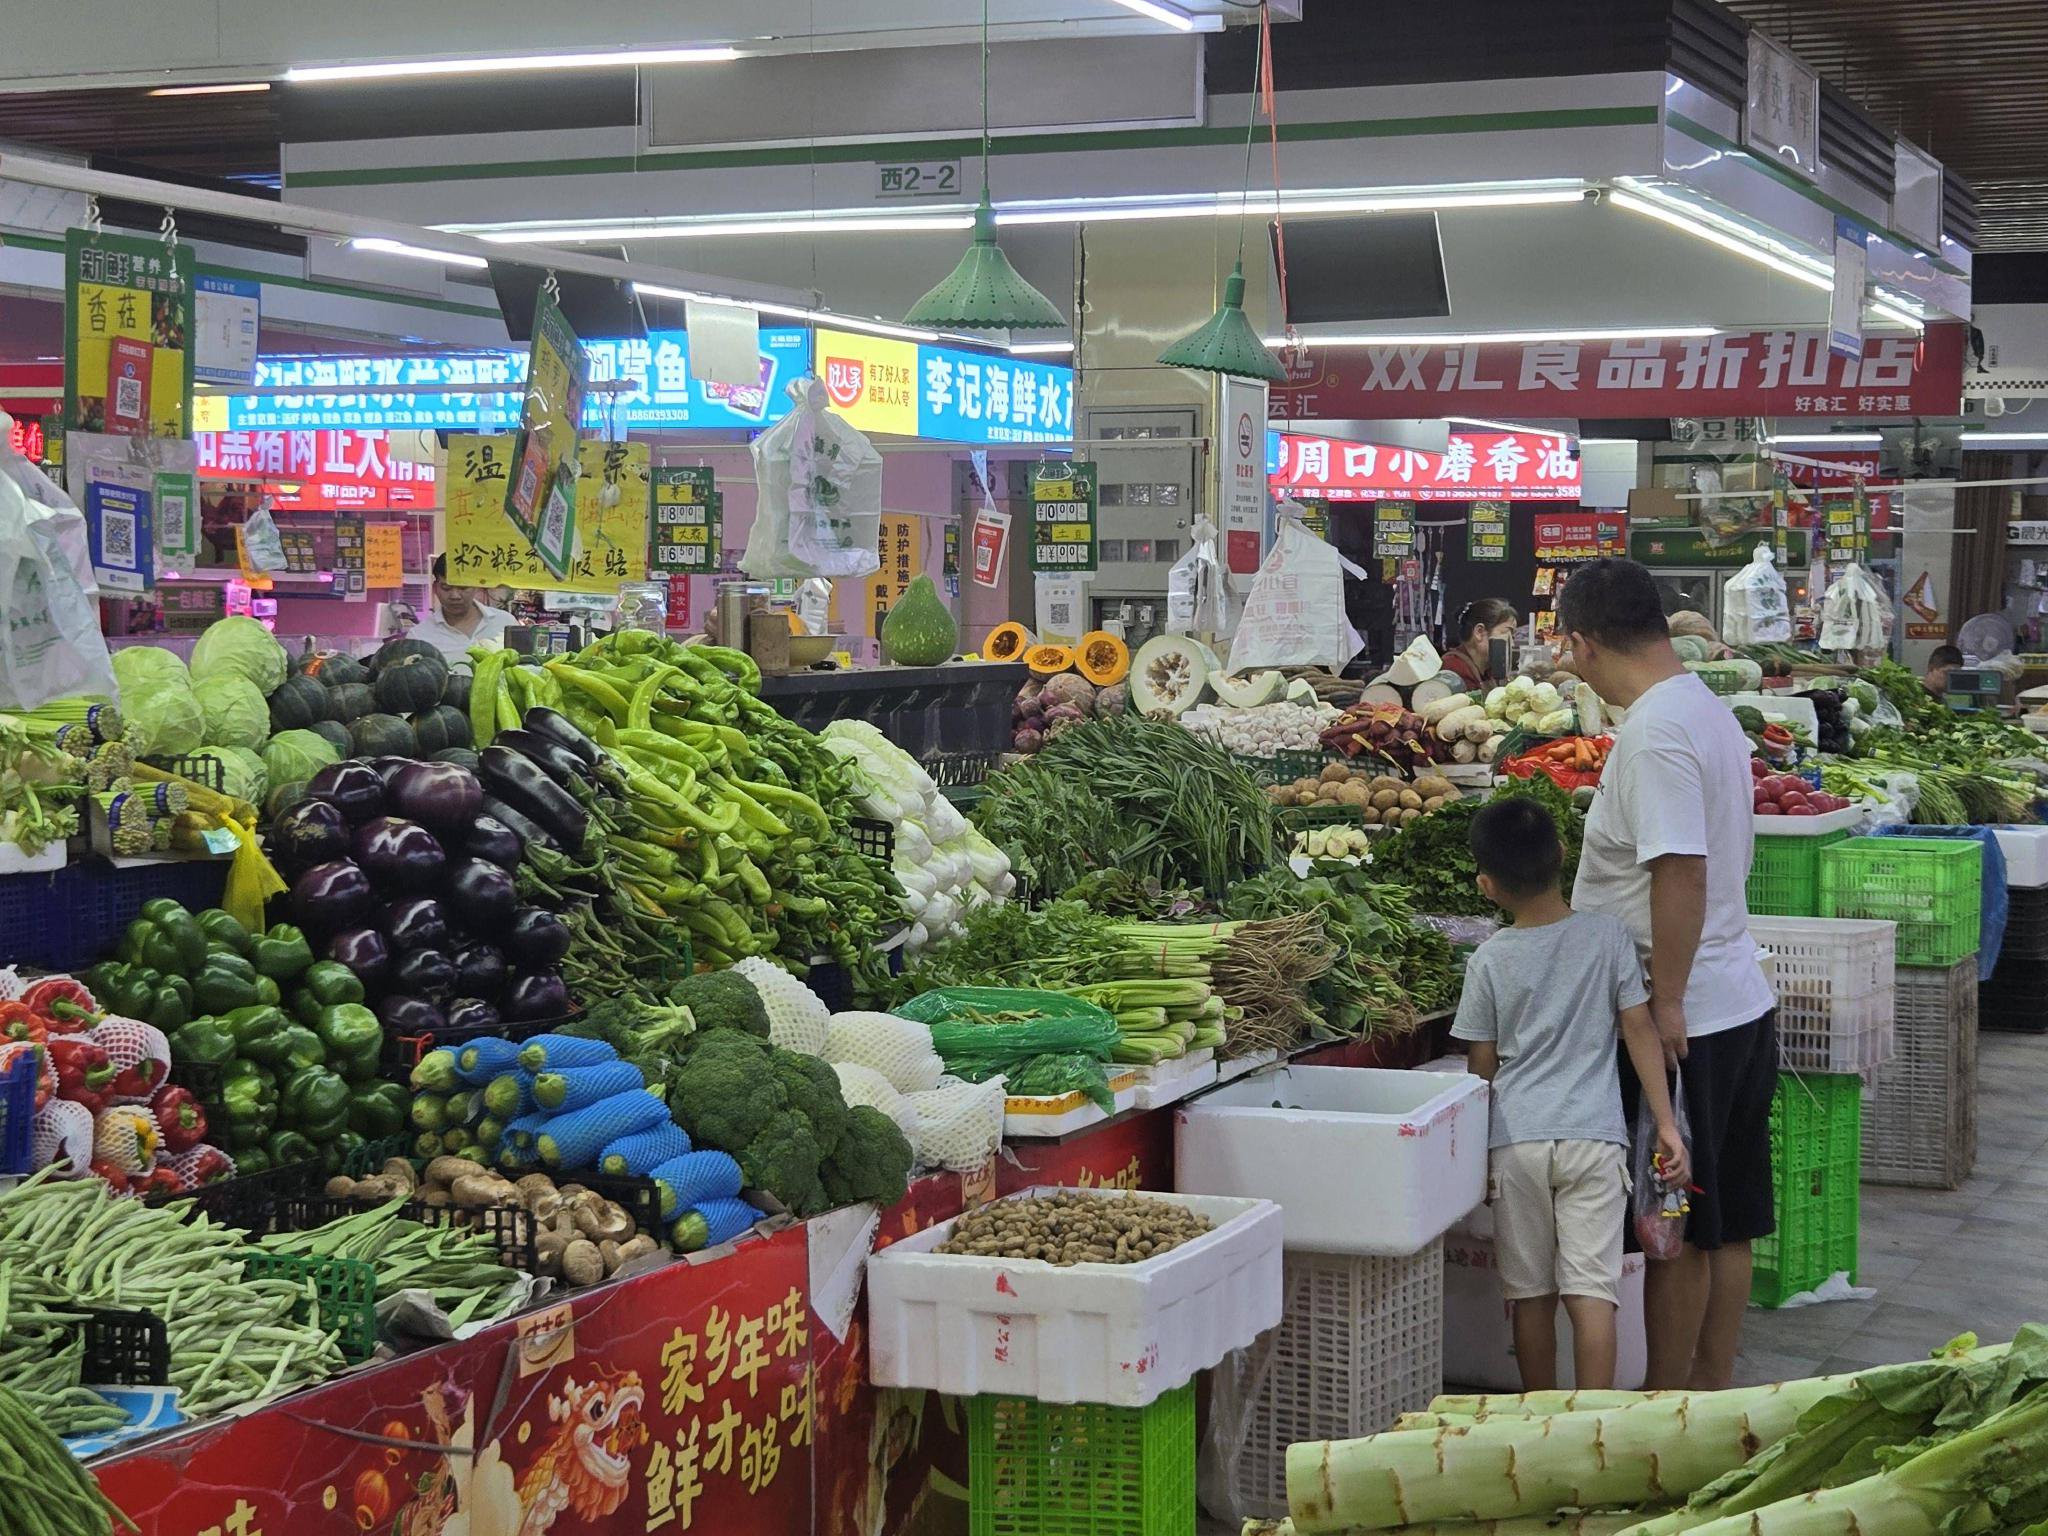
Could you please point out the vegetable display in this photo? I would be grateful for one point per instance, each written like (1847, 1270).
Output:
(460, 1269)
(1432, 856)
(1377, 799)
(52, 1493)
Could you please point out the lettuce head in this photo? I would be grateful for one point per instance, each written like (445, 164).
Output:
(162, 717)
(241, 646)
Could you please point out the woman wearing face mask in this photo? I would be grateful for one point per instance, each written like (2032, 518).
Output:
(1481, 622)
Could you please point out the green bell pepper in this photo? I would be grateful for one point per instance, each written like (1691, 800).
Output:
(288, 1146)
(223, 930)
(302, 1049)
(281, 952)
(325, 984)
(268, 992)
(137, 992)
(316, 1102)
(208, 1041)
(145, 944)
(259, 1032)
(338, 1151)
(379, 1110)
(224, 983)
(353, 1037)
(249, 1103)
(168, 937)
(252, 1160)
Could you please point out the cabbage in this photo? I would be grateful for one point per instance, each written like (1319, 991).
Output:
(236, 715)
(294, 755)
(243, 647)
(242, 773)
(161, 717)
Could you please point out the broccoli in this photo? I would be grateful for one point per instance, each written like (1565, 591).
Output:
(722, 1000)
(872, 1161)
(645, 1034)
(783, 1160)
(723, 1092)
(774, 1110)
(814, 1092)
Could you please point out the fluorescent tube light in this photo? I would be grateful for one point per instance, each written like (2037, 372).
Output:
(1973, 436)
(385, 247)
(708, 229)
(240, 88)
(1479, 338)
(1041, 348)
(1172, 15)
(1701, 230)
(1827, 439)
(510, 63)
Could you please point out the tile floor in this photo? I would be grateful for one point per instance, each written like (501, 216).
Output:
(1942, 1261)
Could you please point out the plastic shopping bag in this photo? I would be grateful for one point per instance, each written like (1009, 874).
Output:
(1197, 595)
(818, 504)
(1754, 610)
(261, 545)
(1658, 1212)
(51, 646)
(1295, 614)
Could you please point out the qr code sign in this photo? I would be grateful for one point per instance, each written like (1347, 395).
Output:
(1061, 613)
(554, 523)
(127, 397)
(117, 538)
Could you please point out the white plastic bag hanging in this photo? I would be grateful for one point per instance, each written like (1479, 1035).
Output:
(1754, 610)
(1197, 595)
(1854, 615)
(51, 646)
(1295, 614)
(819, 495)
(261, 546)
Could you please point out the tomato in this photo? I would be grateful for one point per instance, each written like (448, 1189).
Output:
(1757, 768)
(1801, 809)
(1769, 808)
(1760, 801)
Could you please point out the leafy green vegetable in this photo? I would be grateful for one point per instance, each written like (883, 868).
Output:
(1432, 856)
(242, 647)
(242, 772)
(163, 718)
(1390, 968)
(293, 755)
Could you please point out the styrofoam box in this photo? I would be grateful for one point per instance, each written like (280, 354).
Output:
(1036, 1116)
(2026, 856)
(1401, 1155)
(1167, 1082)
(14, 862)
(1787, 708)
(1120, 1334)
(1251, 1061)
(1810, 826)
(1479, 1339)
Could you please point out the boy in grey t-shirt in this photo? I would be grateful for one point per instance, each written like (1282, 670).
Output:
(1541, 1003)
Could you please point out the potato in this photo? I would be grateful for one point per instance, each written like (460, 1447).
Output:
(1410, 801)
(1370, 816)
(1354, 793)
(1434, 784)
(1435, 801)
(1328, 794)
(1387, 781)
(1335, 773)
(1386, 799)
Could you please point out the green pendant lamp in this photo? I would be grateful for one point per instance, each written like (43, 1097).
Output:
(984, 292)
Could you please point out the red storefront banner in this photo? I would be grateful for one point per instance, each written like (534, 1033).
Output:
(1753, 373)
(340, 470)
(1474, 466)
(1562, 536)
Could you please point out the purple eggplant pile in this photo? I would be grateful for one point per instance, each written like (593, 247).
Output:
(400, 871)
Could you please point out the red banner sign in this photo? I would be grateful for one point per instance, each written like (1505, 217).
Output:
(1754, 373)
(1562, 536)
(1492, 466)
(343, 470)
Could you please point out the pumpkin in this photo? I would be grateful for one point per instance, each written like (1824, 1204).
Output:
(411, 682)
(1047, 660)
(461, 757)
(1007, 642)
(283, 798)
(1102, 658)
(334, 733)
(351, 701)
(381, 735)
(392, 650)
(297, 702)
(440, 728)
(457, 691)
(332, 668)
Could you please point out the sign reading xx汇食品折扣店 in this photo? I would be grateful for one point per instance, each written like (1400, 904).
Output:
(1063, 516)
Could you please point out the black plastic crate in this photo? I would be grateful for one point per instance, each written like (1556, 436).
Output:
(960, 770)
(250, 1202)
(2016, 997)
(510, 1228)
(636, 1195)
(125, 1349)
(963, 706)
(2026, 927)
(873, 837)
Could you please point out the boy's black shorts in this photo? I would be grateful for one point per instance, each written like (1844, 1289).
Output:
(1729, 1080)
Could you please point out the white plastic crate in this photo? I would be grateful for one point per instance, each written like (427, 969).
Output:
(1833, 980)
(1479, 1338)
(1920, 1108)
(1120, 1334)
(1361, 1342)
(1362, 1159)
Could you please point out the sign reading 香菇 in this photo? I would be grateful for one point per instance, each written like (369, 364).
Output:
(914, 389)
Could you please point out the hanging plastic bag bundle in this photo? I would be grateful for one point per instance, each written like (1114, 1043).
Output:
(1754, 609)
(819, 503)
(51, 646)
(1197, 595)
(1295, 614)
(1855, 615)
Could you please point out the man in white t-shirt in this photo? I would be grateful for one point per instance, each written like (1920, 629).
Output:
(1667, 850)
(461, 619)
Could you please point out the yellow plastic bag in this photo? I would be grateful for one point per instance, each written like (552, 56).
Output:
(252, 878)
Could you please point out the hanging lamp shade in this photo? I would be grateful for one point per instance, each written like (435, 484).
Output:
(1227, 341)
(984, 292)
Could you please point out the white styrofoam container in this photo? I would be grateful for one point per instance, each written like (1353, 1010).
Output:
(1121, 1334)
(1251, 1061)
(2026, 855)
(1362, 1160)
(14, 862)
(1167, 1082)
(1479, 1338)
(1788, 709)
(1810, 826)
(1035, 1116)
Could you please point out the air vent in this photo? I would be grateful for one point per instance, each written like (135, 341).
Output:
(1710, 49)
(1958, 210)
(1853, 145)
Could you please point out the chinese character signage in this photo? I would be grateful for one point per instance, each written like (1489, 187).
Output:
(1486, 531)
(540, 494)
(1847, 522)
(1567, 536)
(1781, 118)
(688, 513)
(1393, 530)
(351, 567)
(190, 606)
(1500, 466)
(486, 550)
(1743, 373)
(334, 470)
(1242, 497)
(127, 335)
(914, 390)
(1670, 547)
(383, 555)
(900, 543)
(1063, 505)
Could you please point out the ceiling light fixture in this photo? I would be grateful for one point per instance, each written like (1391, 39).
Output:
(385, 247)
(238, 88)
(791, 312)
(399, 69)
(1481, 338)
(722, 228)
(1974, 436)
(1172, 15)
(1699, 229)
(1041, 349)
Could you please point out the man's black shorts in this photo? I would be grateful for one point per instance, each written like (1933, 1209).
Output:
(1729, 1079)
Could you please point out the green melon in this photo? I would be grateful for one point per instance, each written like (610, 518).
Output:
(919, 631)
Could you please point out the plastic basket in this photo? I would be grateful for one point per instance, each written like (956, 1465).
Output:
(346, 1290)
(510, 1227)
(1816, 1150)
(1833, 979)
(250, 1202)
(2026, 925)
(1920, 1108)
(876, 839)
(637, 1196)
(1784, 874)
(1929, 886)
(1283, 767)
(372, 1155)
(2015, 999)
(125, 1349)
(18, 1113)
(67, 919)
(960, 770)
(1081, 1469)
(1360, 1342)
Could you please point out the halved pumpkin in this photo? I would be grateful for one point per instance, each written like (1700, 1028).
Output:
(1007, 642)
(1102, 658)
(1046, 660)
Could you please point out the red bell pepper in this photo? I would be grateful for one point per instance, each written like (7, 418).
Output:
(116, 1178)
(162, 1179)
(204, 1164)
(18, 1021)
(179, 1116)
(63, 1003)
(85, 1072)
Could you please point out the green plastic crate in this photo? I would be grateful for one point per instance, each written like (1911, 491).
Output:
(1817, 1154)
(1282, 767)
(1081, 1469)
(1784, 873)
(346, 1290)
(1932, 887)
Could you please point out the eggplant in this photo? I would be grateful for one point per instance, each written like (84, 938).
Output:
(353, 788)
(553, 759)
(387, 770)
(480, 895)
(472, 1013)
(442, 797)
(492, 841)
(530, 833)
(311, 832)
(363, 951)
(525, 786)
(561, 730)
(404, 1014)
(332, 896)
(399, 855)
(538, 996)
(415, 922)
(427, 973)
(538, 938)
(480, 970)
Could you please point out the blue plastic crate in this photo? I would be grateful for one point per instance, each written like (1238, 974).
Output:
(17, 1112)
(71, 917)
